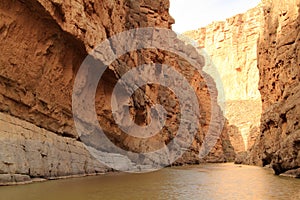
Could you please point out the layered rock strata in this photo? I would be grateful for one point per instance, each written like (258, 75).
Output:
(232, 48)
(43, 43)
(266, 36)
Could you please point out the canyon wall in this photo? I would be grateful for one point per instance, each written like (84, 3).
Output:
(232, 48)
(259, 51)
(279, 67)
(43, 43)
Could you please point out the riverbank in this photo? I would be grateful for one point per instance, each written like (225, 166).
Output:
(19, 179)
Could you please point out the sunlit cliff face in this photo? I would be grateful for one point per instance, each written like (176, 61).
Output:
(231, 47)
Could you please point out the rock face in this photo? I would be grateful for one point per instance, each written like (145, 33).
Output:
(43, 43)
(232, 47)
(279, 66)
(267, 36)
(28, 149)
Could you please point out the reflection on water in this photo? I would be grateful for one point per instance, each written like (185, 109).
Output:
(211, 181)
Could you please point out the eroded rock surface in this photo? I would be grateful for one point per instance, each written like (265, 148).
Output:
(43, 43)
(29, 151)
(232, 48)
(279, 65)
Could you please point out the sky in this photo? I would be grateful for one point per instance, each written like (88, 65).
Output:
(193, 14)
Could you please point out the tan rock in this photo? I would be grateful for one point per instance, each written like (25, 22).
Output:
(278, 50)
(44, 44)
(28, 149)
(231, 46)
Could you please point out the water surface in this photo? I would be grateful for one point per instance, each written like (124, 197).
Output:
(210, 181)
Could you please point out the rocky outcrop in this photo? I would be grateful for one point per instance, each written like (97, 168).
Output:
(43, 43)
(232, 47)
(27, 150)
(278, 51)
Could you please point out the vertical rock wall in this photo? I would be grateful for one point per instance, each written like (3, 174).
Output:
(279, 66)
(268, 37)
(232, 48)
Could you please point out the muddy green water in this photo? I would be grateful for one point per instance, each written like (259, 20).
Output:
(212, 181)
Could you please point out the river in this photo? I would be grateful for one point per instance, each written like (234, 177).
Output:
(209, 181)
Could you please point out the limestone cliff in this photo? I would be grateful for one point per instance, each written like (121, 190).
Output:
(268, 37)
(43, 43)
(232, 47)
(279, 66)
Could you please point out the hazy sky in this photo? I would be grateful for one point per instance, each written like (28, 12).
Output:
(193, 14)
